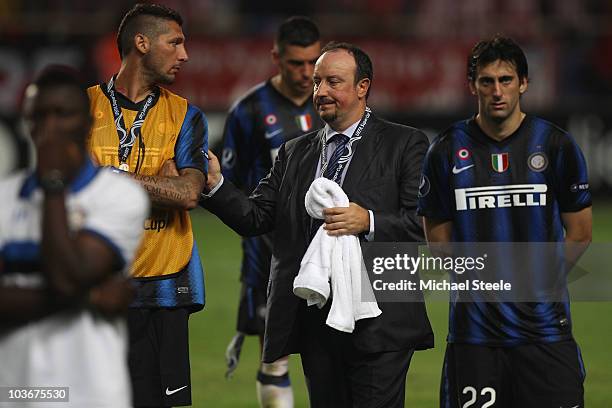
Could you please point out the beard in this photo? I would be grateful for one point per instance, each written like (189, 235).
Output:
(153, 68)
(329, 115)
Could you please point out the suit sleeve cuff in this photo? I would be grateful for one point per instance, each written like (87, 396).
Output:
(370, 235)
(214, 190)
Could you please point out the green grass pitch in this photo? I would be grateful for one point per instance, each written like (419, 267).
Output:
(211, 330)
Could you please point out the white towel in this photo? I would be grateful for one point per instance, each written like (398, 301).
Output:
(338, 259)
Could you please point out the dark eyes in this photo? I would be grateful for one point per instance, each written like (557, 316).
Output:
(491, 81)
(62, 113)
(330, 81)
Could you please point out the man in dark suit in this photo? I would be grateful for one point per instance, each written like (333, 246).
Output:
(378, 164)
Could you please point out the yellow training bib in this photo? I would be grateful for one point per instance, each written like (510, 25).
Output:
(168, 238)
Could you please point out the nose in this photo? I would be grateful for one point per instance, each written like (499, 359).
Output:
(320, 89)
(308, 70)
(182, 56)
(497, 91)
(45, 120)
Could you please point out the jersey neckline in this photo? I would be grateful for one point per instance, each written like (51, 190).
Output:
(475, 131)
(279, 94)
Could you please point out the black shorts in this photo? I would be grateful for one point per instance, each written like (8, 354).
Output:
(159, 357)
(549, 375)
(252, 310)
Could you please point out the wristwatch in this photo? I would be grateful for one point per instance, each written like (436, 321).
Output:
(53, 182)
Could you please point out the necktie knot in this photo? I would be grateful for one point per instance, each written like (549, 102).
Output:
(339, 139)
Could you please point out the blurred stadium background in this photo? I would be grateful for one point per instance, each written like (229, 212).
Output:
(418, 50)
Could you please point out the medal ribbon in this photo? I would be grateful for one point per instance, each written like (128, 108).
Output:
(128, 137)
(343, 160)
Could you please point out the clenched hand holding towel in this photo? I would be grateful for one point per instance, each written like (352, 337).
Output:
(335, 259)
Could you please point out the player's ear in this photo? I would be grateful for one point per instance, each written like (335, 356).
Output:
(362, 87)
(275, 55)
(472, 87)
(523, 85)
(141, 43)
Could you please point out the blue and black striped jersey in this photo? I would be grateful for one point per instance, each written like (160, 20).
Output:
(513, 190)
(256, 127)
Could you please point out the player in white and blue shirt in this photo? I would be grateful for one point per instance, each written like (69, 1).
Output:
(68, 230)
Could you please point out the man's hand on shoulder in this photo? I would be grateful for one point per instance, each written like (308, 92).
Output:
(351, 220)
(214, 172)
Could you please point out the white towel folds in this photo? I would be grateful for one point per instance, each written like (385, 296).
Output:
(335, 259)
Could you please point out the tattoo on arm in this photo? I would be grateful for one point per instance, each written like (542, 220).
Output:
(180, 192)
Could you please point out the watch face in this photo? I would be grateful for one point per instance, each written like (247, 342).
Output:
(53, 182)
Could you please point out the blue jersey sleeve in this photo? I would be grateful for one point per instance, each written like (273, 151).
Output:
(191, 149)
(238, 153)
(572, 177)
(435, 199)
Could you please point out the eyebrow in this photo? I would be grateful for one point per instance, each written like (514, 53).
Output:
(492, 77)
(301, 61)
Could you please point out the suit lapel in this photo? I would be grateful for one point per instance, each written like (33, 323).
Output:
(366, 150)
(307, 171)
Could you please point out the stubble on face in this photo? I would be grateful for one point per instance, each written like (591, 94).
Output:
(165, 55)
(153, 67)
(498, 89)
(296, 66)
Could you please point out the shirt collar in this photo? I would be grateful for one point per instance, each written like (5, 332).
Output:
(86, 174)
(329, 132)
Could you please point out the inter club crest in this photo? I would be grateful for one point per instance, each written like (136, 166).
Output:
(537, 162)
(304, 122)
(500, 162)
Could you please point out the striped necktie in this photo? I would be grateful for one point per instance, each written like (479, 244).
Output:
(340, 141)
(332, 165)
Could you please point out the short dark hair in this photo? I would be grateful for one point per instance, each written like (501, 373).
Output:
(497, 48)
(141, 19)
(62, 75)
(363, 62)
(296, 30)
